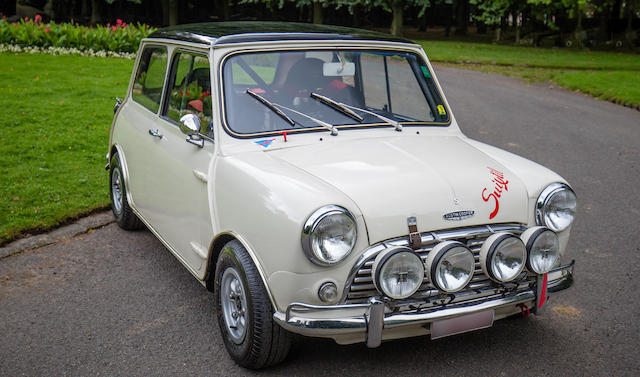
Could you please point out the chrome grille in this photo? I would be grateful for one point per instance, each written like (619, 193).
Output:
(360, 285)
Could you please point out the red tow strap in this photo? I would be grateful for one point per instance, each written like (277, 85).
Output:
(524, 309)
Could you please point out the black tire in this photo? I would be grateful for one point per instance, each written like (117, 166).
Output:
(125, 217)
(262, 342)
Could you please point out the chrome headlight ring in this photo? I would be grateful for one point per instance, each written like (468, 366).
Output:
(547, 214)
(338, 227)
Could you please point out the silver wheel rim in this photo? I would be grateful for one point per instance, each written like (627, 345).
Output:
(116, 190)
(234, 304)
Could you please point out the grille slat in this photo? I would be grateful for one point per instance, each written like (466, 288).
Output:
(361, 287)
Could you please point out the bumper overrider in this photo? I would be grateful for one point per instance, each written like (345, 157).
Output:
(376, 319)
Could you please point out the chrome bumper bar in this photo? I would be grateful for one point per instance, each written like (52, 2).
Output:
(370, 318)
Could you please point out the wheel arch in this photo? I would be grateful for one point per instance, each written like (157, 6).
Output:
(125, 172)
(214, 251)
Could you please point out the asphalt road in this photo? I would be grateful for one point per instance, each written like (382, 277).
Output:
(118, 303)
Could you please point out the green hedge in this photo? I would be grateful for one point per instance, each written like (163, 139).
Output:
(121, 37)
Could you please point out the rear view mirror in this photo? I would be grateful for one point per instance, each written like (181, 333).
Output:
(338, 69)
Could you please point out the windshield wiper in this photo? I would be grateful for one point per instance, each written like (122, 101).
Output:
(272, 107)
(330, 127)
(337, 106)
(343, 106)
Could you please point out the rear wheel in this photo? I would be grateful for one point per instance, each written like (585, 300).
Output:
(245, 314)
(118, 193)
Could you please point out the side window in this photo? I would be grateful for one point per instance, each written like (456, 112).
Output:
(191, 89)
(147, 87)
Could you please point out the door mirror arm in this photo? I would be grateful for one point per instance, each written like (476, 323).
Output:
(190, 126)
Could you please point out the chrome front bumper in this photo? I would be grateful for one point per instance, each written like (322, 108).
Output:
(370, 318)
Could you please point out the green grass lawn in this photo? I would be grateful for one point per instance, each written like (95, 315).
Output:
(605, 75)
(56, 112)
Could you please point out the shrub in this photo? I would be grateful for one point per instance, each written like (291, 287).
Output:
(121, 37)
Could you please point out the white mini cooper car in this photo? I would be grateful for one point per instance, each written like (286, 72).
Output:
(315, 179)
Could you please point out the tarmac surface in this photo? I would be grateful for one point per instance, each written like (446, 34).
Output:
(110, 302)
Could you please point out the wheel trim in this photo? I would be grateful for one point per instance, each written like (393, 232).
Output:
(234, 305)
(116, 190)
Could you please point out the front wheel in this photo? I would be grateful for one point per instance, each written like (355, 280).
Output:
(245, 314)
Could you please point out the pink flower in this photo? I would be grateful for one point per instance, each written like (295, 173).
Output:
(118, 22)
(108, 24)
(38, 18)
(114, 28)
(4, 17)
(26, 19)
(46, 30)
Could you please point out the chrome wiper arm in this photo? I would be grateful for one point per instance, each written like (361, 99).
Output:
(272, 107)
(341, 107)
(392, 122)
(330, 127)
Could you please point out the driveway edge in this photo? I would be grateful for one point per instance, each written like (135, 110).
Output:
(82, 225)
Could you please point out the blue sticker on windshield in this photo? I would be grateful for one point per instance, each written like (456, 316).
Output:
(265, 143)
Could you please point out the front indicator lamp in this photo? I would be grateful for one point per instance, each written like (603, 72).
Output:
(450, 266)
(502, 257)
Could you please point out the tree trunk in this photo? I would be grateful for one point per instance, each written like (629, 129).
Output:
(630, 11)
(423, 22)
(173, 12)
(317, 12)
(397, 9)
(462, 17)
(96, 18)
(578, 16)
(8, 7)
(225, 10)
(516, 22)
(603, 28)
(165, 12)
(85, 11)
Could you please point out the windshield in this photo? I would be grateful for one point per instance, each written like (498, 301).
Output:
(270, 92)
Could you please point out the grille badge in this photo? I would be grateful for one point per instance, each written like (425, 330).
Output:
(458, 215)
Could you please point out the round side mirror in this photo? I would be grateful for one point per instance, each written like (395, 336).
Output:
(190, 124)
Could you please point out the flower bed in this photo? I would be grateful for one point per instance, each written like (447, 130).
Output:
(119, 38)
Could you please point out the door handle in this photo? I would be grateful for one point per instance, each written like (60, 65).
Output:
(155, 133)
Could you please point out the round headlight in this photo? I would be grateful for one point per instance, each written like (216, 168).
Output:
(556, 207)
(502, 257)
(398, 273)
(543, 248)
(329, 235)
(450, 266)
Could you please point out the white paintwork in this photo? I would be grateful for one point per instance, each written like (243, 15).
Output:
(188, 196)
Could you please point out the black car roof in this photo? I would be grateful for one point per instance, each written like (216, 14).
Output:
(254, 31)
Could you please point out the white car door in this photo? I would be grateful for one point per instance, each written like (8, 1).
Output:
(168, 173)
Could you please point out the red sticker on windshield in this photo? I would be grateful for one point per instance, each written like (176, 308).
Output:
(499, 185)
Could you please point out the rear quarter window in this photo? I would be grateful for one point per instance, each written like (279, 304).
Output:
(149, 80)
